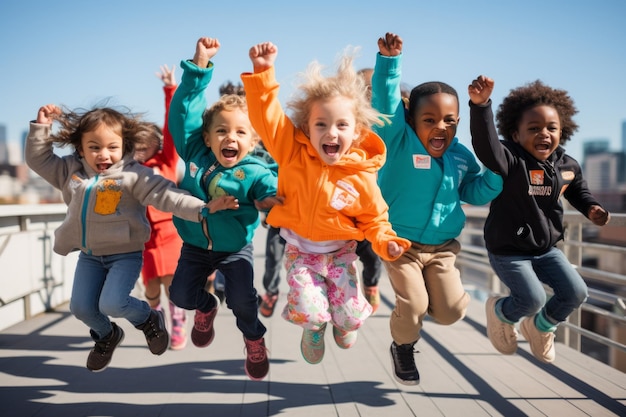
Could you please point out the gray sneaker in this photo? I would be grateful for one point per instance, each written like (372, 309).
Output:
(503, 336)
(541, 343)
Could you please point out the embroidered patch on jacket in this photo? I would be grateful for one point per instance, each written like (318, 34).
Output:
(108, 196)
(536, 176)
(421, 161)
(193, 170)
(567, 175)
(343, 196)
(240, 174)
(75, 182)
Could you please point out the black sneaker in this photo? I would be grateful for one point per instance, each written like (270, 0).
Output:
(403, 362)
(102, 352)
(156, 333)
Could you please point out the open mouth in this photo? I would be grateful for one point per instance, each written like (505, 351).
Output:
(229, 153)
(437, 143)
(103, 167)
(331, 149)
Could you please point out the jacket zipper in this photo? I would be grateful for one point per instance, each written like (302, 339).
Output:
(85, 207)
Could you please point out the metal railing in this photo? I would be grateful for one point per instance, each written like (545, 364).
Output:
(34, 279)
(605, 306)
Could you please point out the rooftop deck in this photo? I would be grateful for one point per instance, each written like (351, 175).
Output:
(42, 373)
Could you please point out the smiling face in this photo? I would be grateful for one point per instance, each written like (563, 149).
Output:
(230, 136)
(435, 122)
(332, 128)
(101, 147)
(539, 131)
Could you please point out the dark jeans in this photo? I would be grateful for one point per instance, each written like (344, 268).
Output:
(274, 251)
(188, 286)
(372, 265)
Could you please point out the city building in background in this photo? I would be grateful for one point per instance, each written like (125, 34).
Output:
(604, 170)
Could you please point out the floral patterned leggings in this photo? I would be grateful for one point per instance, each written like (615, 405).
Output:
(324, 287)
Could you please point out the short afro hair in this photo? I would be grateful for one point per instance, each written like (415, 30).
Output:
(531, 95)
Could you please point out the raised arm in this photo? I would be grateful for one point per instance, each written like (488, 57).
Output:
(48, 113)
(264, 109)
(189, 101)
(485, 141)
(263, 56)
(170, 157)
(206, 48)
(390, 44)
(386, 87)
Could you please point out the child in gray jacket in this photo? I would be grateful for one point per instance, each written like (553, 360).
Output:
(106, 192)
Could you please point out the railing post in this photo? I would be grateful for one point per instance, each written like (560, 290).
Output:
(573, 232)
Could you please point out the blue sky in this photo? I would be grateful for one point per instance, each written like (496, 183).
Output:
(81, 53)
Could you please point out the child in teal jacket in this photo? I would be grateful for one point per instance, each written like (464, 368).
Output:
(427, 177)
(215, 144)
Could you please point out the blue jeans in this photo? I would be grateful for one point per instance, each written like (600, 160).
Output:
(188, 286)
(524, 276)
(102, 287)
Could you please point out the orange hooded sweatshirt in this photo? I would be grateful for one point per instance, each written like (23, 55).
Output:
(322, 202)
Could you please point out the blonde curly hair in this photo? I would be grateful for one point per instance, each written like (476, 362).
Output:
(347, 83)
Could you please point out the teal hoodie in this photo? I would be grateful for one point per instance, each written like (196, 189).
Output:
(251, 179)
(424, 194)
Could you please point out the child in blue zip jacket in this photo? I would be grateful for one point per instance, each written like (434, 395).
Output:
(427, 177)
(215, 144)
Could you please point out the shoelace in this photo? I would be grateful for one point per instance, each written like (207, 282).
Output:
(102, 347)
(151, 331)
(201, 321)
(405, 357)
(509, 332)
(256, 351)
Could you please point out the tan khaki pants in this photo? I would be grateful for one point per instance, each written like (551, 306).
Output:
(425, 280)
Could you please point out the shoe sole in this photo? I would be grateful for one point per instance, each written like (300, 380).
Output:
(255, 378)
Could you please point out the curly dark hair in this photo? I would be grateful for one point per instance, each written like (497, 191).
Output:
(531, 95)
(74, 123)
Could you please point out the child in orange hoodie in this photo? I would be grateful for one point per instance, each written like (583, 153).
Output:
(327, 158)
